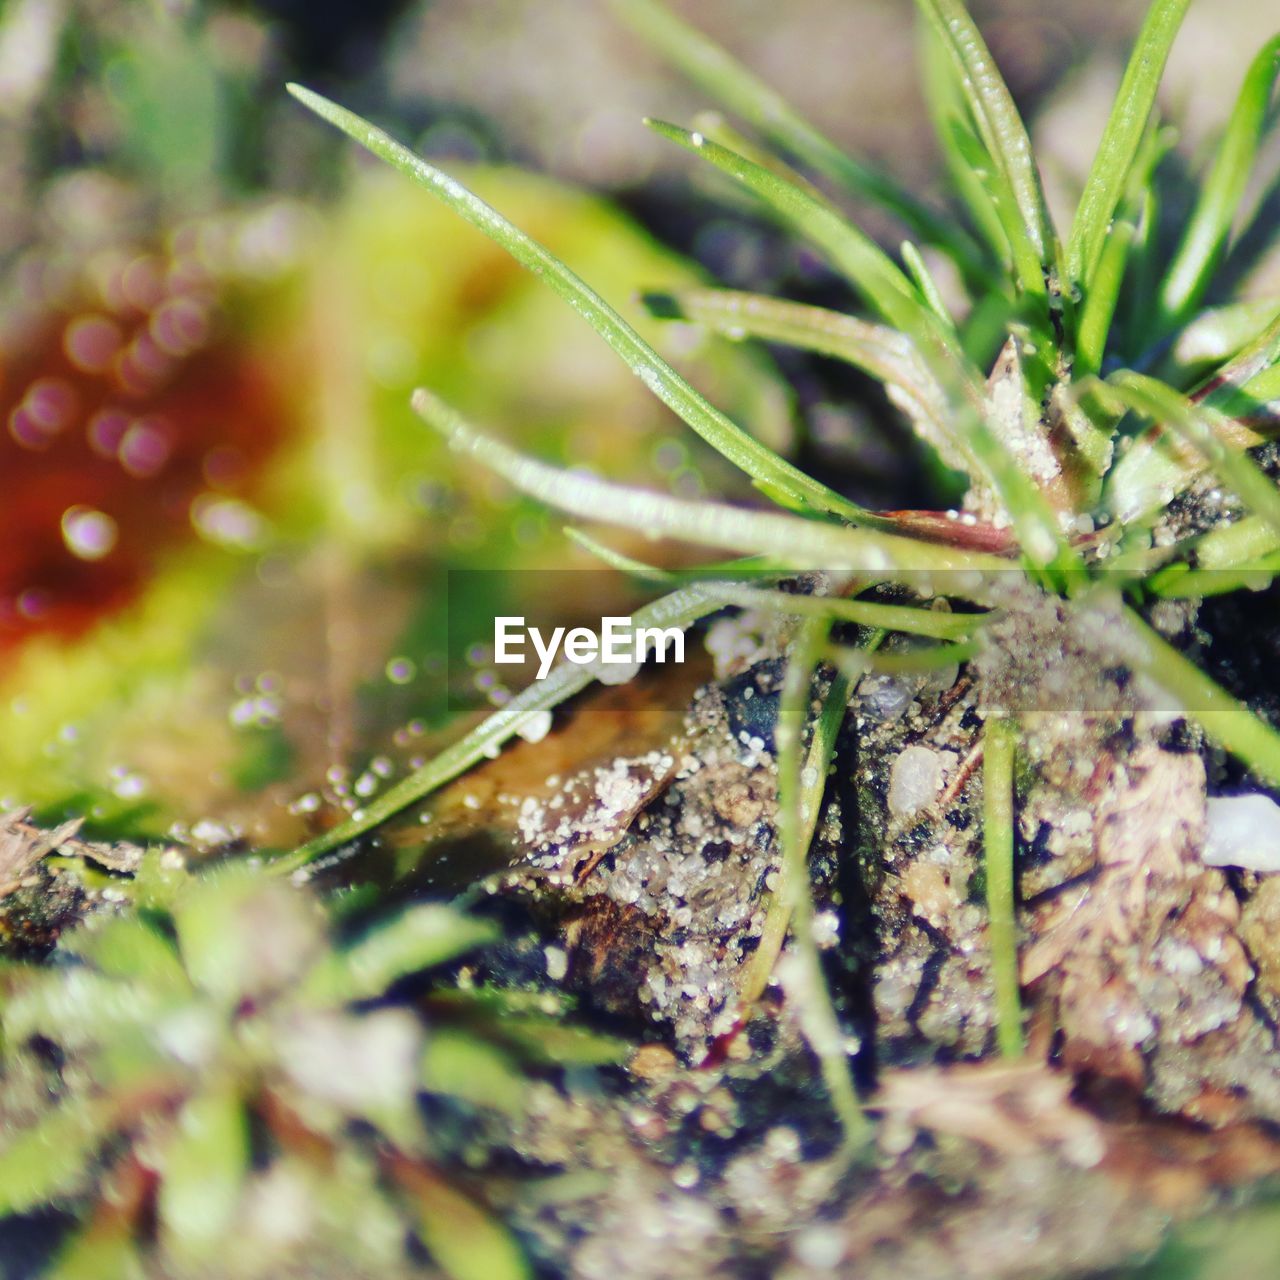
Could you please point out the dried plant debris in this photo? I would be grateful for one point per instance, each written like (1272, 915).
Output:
(23, 845)
(983, 1170)
(51, 878)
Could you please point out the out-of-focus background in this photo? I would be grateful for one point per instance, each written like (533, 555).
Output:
(223, 535)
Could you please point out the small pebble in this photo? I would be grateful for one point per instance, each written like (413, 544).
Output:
(1243, 831)
(914, 781)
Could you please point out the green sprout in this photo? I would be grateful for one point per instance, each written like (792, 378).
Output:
(1075, 376)
(215, 1044)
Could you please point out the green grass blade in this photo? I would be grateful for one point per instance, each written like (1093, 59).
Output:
(1202, 428)
(863, 263)
(962, 150)
(813, 784)
(1027, 223)
(926, 284)
(800, 543)
(724, 79)
(1100, 305)
(1146, 265)
(1151, 473)
(713, 125)
(1206, 235)
(999, 743)
(930, 623)
(1236, 545)
(681, 608)
(51, 1157)
(1228, 722)
(667, 577)
(616, 560)
(206, 1163)
(895, 297)
(769, 471)
(420, 937)
(886, 354)
(1121, 140)
(1234, 386)
(857, 662)
(817, 1014)
(465, 1240)
(1181, 582)
(1240, 556)
(1221, 333)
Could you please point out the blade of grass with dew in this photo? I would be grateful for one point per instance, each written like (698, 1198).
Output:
(1244, 385)
(667, 577)
(857, 662)
(1210, 225)
(616, 560)
(930, 623)
(791, 540)
(1182, 582)
(772, 473)
(1202, 428)
(957, 432)
(886, 354)
(893, 294)
(999, 744)
(1243, 553)
(1027, 223)
(1146, 266)
(1099, 309)
(711, 124)
(1100, 306)
(817, 1014)
(723, 78)
(1223, 332)
(1121, 140)
(1226, 721)
(813, 785)
(800, 543)
(926, 284)
(863, 263)
(962, 150)
(680, 608)
(1232, 545)
(1151, 473)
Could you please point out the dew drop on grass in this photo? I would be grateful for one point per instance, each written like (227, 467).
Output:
(535, 727)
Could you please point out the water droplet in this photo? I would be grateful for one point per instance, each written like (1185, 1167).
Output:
(144, 448)
(401, 670)
(91, 343)
(228, 522)
(88, 534)
(535, 727)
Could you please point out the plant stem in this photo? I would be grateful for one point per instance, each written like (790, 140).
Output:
(1227, 721)
(997, 835)
(681, 608)
(817, 1014)
(813, 784)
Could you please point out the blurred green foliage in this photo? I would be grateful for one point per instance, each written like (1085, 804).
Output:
(222, 1058)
